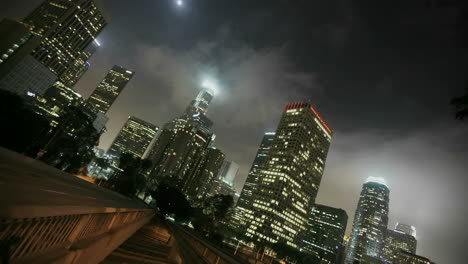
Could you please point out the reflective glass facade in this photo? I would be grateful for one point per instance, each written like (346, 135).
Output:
(134, 138)
(67, 28)
(325, 232)
(285, 191)
(370, 222)
(107, 91)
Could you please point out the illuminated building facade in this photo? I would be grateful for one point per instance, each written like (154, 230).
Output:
(134, 138)
(56, 101)
(407, 229)
(183, 151)
(370, 221)
(244, 204)
(16, 42)
(201, 102)
(288, 184)
(67, 29)
(228, 171)
(371, 260)
(79, 67)
(405, 257)
(197, 185)
(325, 232)
(110, 87)
(221, 186)
(396, 240)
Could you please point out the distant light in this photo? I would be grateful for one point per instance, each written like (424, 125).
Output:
(376, 180)
(31, 94)
(129, 72)
(211, 85)
(270, 133)
(179, 3)
(97, 42)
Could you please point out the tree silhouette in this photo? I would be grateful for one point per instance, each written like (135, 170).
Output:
(461, 105)
(130, 179)
(22, 130)
(71, 144)
(171, 201)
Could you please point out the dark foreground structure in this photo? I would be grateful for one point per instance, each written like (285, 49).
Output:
(49, 216)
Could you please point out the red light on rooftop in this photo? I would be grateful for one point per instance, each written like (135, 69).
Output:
(321, 120)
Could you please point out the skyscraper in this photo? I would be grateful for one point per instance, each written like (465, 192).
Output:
(410, 258)
(325, 232)
(370, 221)
(198, 184)
(67, 29)
(244, 205)
(228, 171)
(287, 186)
(134, 138)
(110, 87)
(201, 102)
(396, 240)
(63, 31)
(79, 67)
(407, 229)
(183, 142)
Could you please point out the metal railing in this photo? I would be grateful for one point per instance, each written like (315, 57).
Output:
(51, 238)
(48, 216)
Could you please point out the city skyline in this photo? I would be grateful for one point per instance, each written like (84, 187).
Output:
(411, 163)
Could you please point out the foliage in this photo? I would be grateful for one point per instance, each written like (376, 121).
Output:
(171, 201)
(461, 106)
(130, 179)
(218, 207)
(287, 252)
(23, 130)
(71, 146)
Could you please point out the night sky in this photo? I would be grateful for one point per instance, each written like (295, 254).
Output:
(381, 73)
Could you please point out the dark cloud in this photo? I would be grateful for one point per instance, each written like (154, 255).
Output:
(380, 73)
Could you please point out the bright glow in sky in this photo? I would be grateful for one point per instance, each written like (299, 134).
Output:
(377, 180)
(210, 84)
(179, 2)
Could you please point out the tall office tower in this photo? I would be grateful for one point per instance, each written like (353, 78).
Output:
(195, 113)
(287, 186)
(134, 138)
(201, 102)
(182, 143)
(62, 32)
(396, 240)
(244, 204)
(56, 102)
(197, 185)
(325, 232)
(67, 28)
(407, 229)
(410, 258)
(223, 187)
(79, 67)
(370, 221)
(16, 42)
(228, 171)
(110, 87)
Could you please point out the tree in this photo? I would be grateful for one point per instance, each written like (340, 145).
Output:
(461, 105)
(130, 179)
(22, 130)
(171, 201)
(72, 142)
(218, 207)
